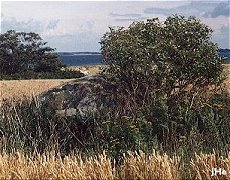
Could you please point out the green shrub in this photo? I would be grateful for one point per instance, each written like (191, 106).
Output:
(32, 126)
(164, 72)
(175, 57)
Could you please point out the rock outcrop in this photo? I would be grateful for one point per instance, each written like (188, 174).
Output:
(80, 96)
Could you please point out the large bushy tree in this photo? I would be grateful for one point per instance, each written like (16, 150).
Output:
(176, 57)
(21, 51)
(167, 78)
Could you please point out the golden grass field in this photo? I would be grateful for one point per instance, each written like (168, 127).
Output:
(27, 88)
(135, 165)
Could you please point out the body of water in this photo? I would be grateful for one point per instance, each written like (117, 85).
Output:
(74, 59)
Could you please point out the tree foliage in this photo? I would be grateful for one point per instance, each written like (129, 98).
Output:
(168, 78)
(20, 52)
(175, 57)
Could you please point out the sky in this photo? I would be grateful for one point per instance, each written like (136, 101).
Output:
(71, 26)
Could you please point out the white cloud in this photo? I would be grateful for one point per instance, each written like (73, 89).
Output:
(65, 24)
(29, 25)
(53, 24)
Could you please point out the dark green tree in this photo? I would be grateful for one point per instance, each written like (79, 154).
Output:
(168, 78)
(21, 51)
(175, 57)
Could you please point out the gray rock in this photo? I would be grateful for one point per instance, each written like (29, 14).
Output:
(81, 96)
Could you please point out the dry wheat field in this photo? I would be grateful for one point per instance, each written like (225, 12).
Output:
(27, 88)
(135, 165)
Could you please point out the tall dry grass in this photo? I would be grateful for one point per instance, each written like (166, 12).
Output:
(203, 164)
(49, 166)
(135, 166)
(154, 166)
